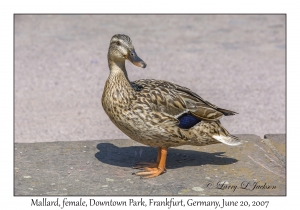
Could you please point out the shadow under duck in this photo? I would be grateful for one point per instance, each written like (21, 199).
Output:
(158, 113)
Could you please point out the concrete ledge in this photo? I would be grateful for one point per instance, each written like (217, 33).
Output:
(104, 167)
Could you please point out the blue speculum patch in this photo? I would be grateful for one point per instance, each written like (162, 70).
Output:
(187, 121)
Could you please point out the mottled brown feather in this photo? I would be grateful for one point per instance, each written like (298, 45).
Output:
(148, 110)
(177, 99)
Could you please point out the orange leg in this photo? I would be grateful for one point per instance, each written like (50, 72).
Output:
(143, 165)
(159, 167)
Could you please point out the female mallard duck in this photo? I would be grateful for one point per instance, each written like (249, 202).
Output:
(158, 113)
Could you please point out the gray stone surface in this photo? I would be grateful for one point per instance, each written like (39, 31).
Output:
(234, 61)
(103, 167)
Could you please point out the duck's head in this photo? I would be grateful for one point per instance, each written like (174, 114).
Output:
(121, 48)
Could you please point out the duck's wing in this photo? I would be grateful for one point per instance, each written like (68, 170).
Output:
(189, 93)
(176, 100)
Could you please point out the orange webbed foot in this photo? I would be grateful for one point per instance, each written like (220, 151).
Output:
(150, 172)
(153, 169)
(143, 165)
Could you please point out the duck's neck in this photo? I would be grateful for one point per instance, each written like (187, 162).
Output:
(118, 75)
(118, 68)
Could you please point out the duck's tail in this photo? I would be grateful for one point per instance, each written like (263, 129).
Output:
(226, 138)
(229, 140)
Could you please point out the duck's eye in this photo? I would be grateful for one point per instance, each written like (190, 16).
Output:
(118, 43)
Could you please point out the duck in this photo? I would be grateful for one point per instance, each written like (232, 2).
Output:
(158, 113)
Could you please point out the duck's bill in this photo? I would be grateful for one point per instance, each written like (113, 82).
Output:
(135, 59)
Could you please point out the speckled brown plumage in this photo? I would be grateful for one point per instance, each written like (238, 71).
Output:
(148, 110)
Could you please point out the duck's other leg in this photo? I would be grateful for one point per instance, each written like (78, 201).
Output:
(143, 165)
(160, 166)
